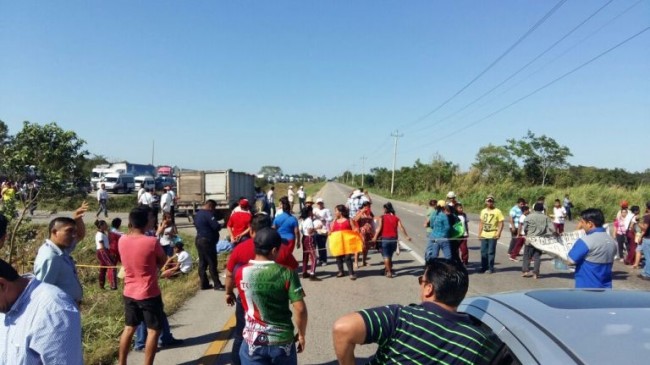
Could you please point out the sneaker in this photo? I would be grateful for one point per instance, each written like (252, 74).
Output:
(207, 287)
(643, 277)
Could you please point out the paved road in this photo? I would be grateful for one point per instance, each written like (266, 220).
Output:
(206, 317)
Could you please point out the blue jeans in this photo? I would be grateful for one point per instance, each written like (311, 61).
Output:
(141, 334)
(488, 253)
(264, 355)
(646, 253)
(238, 335)
(434, 246)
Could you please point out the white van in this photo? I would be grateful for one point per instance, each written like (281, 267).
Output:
(118, 182)
(144, 181)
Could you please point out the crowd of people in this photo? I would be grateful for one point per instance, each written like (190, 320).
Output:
(262, 276)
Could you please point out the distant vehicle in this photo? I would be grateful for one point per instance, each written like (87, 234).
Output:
(165, 171)
(557, 326)
(223, 186)
(163, 181)
(99, 171)
(145, 181)
(118, 182)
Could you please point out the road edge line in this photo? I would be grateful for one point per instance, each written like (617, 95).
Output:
(213, 352)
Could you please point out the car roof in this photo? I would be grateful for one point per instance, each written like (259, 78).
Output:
(597, 326)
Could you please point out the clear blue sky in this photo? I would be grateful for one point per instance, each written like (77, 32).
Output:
(312, 86)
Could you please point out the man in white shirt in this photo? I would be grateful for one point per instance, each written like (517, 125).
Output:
(324, 216)
(146, 198)
(166, 200)
(270, 198)
(290, 195)
(301, 197)
(141, 191)
(102, 198)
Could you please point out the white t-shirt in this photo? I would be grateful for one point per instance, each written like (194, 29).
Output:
(146, 199)
(558, 215)
(325, 216)
(101, 241)
(140, 192)
(270, 196)
(172, 196)
(301, 194)
(185, 260)
(102, 194)
(522, 219)
(166, 237)
(306, 225)
(166, 202)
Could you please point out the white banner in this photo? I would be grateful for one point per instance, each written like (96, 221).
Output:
(556, 245)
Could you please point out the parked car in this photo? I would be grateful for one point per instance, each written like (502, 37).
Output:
(564, 326)
(163, 181)
(118, 182)
(145, 181)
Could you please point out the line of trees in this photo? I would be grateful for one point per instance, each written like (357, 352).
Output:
(529, 161)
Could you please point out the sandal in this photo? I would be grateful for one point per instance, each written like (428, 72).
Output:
(339, 274)
(353, 277)
(526, 275)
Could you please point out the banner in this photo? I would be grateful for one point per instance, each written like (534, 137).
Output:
(556, 245)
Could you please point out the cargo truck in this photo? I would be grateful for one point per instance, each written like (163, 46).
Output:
(225, 187)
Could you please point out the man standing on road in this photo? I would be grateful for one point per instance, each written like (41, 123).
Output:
(301, 198)
(594, 253)
(536, 224)
(167, 200)
(324, 216)
(41, 324)
(142, 256)
(426, 333)
(207, 236)
(489, 228)
(291, 196)
(102, 199)
(240, 256)
(53, 264)
(239, 223)
(514, 216)
(266, 289)
(270, 198)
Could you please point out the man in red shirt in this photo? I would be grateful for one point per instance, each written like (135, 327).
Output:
(240, 256)
(142, 257)
(239, 223)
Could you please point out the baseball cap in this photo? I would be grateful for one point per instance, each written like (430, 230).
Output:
(451, 195)
(266, 239)
(489, 197)
(243, 203)
(319, 200)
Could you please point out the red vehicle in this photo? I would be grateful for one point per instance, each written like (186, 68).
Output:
(165, 171)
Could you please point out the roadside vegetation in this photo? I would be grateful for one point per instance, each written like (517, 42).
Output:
(529, 167)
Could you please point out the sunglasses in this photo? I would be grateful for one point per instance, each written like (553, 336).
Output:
(421, 280)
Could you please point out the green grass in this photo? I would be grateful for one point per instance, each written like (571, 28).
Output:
(102, 311)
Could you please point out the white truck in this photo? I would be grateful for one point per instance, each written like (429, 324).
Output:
(225, 187)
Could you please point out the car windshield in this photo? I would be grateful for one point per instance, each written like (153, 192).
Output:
(591, 299)
(110, 179)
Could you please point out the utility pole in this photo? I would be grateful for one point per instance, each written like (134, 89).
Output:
(392, 180)
(153, 149)
(363, 168)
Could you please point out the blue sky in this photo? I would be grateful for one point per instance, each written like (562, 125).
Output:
(313, 86)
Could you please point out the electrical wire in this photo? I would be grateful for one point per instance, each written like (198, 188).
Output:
(505, 53)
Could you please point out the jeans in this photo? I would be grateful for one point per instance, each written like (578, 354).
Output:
(238, 335)
(321, 245)
(102, 208)
(272, 354)
(434, 246)
(165, 335)
(646, 253)
(488, 253)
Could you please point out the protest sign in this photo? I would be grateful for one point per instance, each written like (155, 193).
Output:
(556, 245)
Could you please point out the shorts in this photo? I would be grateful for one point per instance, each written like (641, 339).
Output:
(148, 310)
(388, 246)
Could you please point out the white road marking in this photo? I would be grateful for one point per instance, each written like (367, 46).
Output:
(415, 255)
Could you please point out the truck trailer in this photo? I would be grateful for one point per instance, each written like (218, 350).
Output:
(225, 187)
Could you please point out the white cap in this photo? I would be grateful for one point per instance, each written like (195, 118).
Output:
(319, 200)
(451, 195)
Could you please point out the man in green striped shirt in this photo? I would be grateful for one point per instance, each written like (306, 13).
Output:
(426, 333)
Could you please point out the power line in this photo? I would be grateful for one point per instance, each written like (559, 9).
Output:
(540, 55)
(542, 87)
(507, 51)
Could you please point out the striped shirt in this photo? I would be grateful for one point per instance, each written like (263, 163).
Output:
(425, 334)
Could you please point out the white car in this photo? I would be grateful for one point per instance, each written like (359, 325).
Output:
(565, 327)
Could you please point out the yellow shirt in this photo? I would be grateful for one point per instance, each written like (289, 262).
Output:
(490, 219)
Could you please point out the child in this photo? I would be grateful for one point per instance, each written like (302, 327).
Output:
(559, 213)
(464, 253)
(182, 264)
